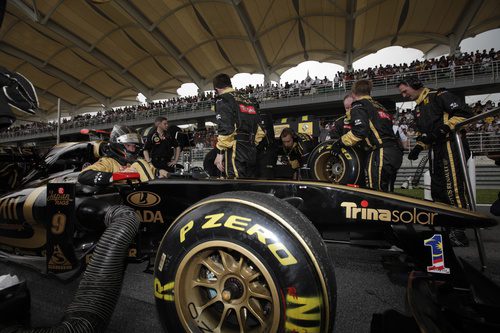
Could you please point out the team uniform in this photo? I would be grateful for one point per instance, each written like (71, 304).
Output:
(436, 113)
(238, 121)
(297, 155)
(267, 151)
(341, 126)
(101, 172)
(120, 154)
(372, 124)
(161, 148)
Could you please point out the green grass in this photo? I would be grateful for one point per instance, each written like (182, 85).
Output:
(484, 196)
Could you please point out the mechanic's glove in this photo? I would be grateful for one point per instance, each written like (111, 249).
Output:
(413, 155)
(441, 132)
(437, 135)
(337, 145)
(295, 164)
(425, 138)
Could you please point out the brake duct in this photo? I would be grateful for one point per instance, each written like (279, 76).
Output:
(99, 289)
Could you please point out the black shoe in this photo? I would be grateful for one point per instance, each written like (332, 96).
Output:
(458, 238)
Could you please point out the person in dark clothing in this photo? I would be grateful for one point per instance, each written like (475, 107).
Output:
(372, 124)
(436, 114)
(122, 155)
(343, 124)
(161, 149)
(237, 120)
(267, 150)
(296, 147)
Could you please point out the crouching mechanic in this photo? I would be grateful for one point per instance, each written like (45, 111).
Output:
(122, 156)
(296, 147)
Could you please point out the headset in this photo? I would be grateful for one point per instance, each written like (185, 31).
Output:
(412, 81)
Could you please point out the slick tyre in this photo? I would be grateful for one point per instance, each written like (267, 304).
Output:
(342, 168)
(244, 262)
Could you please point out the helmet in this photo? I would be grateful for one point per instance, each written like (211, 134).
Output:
(120, 137)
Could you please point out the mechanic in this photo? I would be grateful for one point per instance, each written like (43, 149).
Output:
(296, 147)
(238, 121)
(372, 125)
(121, 156)
(343, 124)
(160, 147)
(267, 149)
(436, 113)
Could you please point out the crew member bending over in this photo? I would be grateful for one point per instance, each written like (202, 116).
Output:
(296, 147)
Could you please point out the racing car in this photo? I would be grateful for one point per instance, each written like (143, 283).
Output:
(234, 255)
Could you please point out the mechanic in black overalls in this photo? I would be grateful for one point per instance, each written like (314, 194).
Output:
(267, 149)
(436, 114)
(160, 147)
(237, 120)
(343, 124)
(296, 147)
(372, 125)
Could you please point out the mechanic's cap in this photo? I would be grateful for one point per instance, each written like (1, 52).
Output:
(123, 134)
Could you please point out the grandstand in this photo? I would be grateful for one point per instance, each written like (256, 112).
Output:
(465, 73)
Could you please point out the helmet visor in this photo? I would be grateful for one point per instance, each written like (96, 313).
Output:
(132, 138)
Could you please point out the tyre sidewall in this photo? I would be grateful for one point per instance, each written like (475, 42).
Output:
(289, 265)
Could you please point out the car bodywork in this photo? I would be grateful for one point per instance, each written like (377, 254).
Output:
(53, 223)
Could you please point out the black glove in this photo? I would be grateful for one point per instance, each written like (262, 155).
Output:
(337, 147)
(441, 132)
(425, 138)
(413, 154)
(437, 135)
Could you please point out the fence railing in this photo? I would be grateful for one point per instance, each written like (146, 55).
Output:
(482, 143)
(469, 73)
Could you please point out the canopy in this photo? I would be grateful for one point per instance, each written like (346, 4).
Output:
(103, 53)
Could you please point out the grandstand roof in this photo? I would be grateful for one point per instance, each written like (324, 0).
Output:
(101, 52)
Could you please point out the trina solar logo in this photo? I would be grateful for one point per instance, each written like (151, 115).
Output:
(353, 212)
(143, 199)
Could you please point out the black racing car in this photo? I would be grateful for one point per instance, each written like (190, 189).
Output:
(233, 255)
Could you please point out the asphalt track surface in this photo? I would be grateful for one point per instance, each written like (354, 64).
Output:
(364, 287)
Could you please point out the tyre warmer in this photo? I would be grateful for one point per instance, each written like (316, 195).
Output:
(99, 289)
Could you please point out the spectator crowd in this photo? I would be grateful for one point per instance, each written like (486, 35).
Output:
(451, 65)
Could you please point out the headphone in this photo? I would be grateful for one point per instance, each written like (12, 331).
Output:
(412, 81)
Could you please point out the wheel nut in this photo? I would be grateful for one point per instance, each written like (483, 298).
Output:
(226, 295)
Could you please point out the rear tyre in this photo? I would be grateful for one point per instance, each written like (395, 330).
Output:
(244, 262)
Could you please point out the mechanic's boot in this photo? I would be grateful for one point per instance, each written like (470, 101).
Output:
(458, 238)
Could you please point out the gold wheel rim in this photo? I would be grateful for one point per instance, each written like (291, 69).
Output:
(325, 165)
(222, 287)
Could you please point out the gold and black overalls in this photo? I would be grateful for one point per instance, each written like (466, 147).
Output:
(299, 153)
(372, 125)
(434, 109)
(161, 148)
(100, 172)
(238, 123)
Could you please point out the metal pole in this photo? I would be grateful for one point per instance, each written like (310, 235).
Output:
(58, 135)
